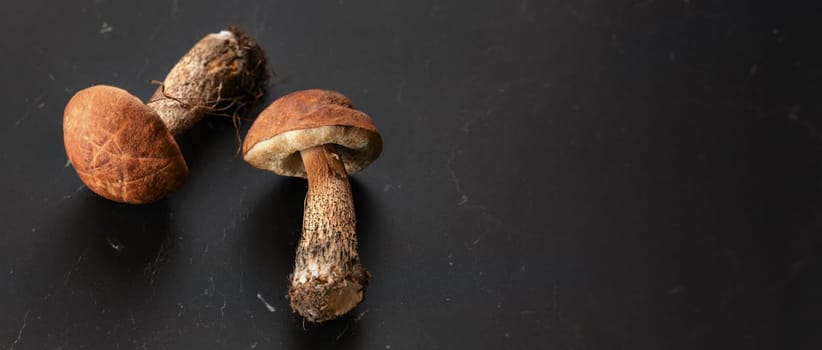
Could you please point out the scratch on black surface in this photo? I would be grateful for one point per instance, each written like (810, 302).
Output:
(267, 305)
(20, 332)
(154, 265)
(222, 308)
(133, 322)
(74, 266)
(360, 316)
(76, 191)
(339, 336)
(453, 178)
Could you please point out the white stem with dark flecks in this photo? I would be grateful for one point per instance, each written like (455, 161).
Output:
(328, 279)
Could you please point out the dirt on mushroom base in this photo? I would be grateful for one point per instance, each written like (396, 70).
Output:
(322, 299)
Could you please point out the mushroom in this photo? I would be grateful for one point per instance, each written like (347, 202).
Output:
(318, 135)
(125, 151)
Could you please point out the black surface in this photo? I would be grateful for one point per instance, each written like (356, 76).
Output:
(556, 175)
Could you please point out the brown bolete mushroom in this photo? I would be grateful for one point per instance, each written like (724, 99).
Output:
(125, 151)
(317, 134)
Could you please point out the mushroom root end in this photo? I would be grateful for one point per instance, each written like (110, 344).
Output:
(319, 301)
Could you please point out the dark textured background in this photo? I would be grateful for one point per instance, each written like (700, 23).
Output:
(557, 174)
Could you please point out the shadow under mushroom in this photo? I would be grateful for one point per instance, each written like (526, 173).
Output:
(109, 251)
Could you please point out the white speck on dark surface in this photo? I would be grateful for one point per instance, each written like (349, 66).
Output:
(23, 118)
(225, 303)
(267, 305)
(182, 308)
(115, 243)
(106, 28)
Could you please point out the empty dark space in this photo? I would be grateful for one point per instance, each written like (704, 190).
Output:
(555, 175)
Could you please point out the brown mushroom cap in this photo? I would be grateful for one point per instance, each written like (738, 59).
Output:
(308, 118)
(120, 147)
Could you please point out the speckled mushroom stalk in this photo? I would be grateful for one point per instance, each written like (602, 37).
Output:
(328, 279)
(124, 150)
(319, 135)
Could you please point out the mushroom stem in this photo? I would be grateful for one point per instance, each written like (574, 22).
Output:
(222, 73)
(328, 279)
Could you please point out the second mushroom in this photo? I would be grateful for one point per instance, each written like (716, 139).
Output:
(318, 135)
(125, 151)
